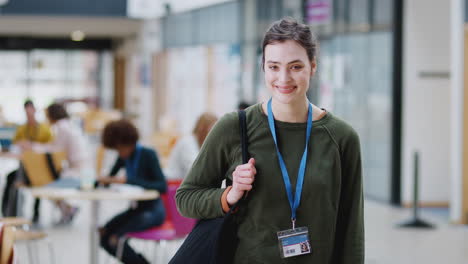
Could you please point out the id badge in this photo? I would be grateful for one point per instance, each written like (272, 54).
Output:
(294, 242)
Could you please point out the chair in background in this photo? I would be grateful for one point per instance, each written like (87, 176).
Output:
(175, 226)
(30, 237)
(36, 166)
(94, 119)
(38, 169)
(100, 153)
(7, 244)
(15, 221)
(163, 142)
(17, 230)
(42, 169)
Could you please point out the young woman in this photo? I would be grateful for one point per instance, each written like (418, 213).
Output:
(304, 179)
(142, 168)
(69, 139)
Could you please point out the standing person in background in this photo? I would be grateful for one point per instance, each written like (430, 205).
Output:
(25, 136)
(304, 179)
(68, 138)
(186, 149)
(142, 169)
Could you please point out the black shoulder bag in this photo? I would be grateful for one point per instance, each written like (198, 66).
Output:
(214, 241)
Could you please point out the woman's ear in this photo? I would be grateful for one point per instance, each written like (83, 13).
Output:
(313, 68)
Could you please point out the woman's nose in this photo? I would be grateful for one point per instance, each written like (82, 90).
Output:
(284, 75)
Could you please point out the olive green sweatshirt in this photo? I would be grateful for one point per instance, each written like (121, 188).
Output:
(332, 196)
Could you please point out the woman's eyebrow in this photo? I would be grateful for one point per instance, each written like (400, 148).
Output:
(295, 61)
(276, 62)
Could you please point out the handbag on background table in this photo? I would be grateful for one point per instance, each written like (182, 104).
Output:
(214, 241)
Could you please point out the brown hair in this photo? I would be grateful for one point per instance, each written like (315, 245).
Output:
(289, 29)
(118, 133)
(55, 112)
(203, 126)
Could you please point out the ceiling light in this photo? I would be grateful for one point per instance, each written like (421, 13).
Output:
(77, 35)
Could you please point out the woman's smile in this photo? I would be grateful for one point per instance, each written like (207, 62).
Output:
(286, 89)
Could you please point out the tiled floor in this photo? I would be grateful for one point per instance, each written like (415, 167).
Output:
(385, 242)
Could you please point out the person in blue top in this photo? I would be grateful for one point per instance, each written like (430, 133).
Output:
(142, 169)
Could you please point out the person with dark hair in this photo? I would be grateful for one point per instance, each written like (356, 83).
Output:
(142, 169)
(32, 131)
(303, 179)
(69, 139)
(25, 135)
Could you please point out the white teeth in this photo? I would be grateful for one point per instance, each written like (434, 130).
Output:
(285, 89)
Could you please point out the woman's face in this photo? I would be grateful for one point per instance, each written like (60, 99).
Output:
(30, 111)
(125, 150)
(287, 71)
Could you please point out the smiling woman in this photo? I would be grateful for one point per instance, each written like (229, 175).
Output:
(289, 61)
(304, 178)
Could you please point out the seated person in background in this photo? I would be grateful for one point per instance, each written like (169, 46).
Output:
(142, 169)
(25, 135)
(186, 149)
(69, 139)
(32, 131)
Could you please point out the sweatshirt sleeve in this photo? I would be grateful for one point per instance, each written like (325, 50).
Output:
(200, 194)
(349, 240)
(119, 163)
(153, 178)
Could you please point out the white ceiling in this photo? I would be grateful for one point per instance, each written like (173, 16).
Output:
(156, 8)
(53, 26)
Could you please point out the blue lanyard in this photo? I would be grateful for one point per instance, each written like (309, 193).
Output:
(131, 164)
(293, 201)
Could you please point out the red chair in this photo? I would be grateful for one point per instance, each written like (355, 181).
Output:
(174, 227)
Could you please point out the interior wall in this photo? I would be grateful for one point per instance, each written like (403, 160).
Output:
(426, 100)
(464, 218)
(139, 51)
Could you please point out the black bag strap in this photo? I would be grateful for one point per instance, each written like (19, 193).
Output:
(51, 165)
(245, 153)
(244, 139)
(243, 135)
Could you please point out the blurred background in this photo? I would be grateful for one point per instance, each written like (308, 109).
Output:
(393, 69)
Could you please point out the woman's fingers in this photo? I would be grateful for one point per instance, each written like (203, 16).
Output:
(244, 180)
(247, 167)
(244, 187)
(245, 174)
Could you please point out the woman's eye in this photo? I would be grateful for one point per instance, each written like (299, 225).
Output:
(296, 67)
(273, 67)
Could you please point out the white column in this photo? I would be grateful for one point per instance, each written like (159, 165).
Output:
(456, 108)
(249, 51)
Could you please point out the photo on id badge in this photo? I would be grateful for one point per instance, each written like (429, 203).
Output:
(294, 242)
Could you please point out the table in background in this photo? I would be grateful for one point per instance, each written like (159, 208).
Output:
(94, 196)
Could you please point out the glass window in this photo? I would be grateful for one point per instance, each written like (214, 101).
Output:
(45, 76)
(359, 15)
(355, 72)
(382, 14)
